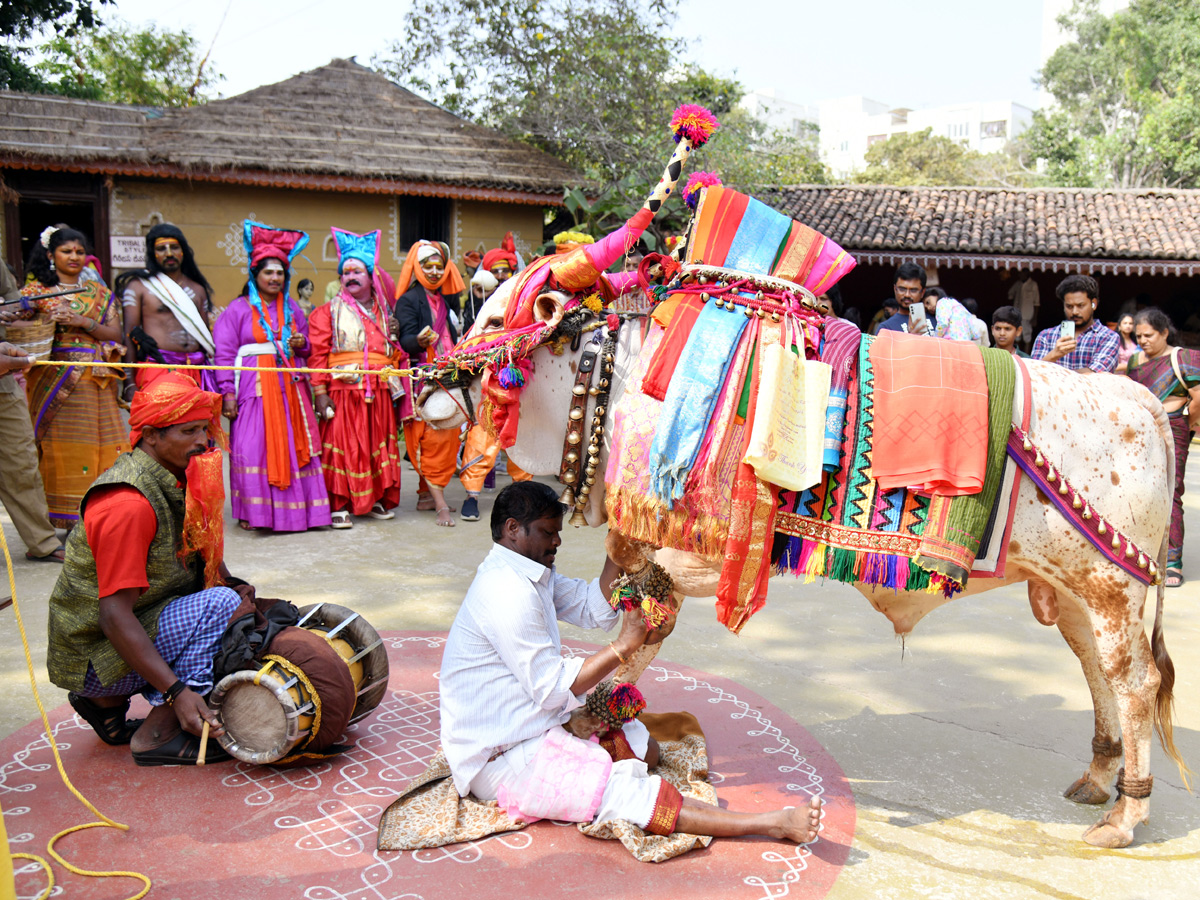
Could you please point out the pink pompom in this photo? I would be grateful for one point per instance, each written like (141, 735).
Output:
(695, 123)
(699, 181)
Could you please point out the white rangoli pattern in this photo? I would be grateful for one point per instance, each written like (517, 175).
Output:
(392, 746)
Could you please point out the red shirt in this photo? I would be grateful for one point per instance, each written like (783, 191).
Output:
(120, 525)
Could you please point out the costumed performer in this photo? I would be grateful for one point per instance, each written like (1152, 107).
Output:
(429, 284)
(141, 603)
(275, 459)
(1172, 374)
(166, 307)
(502, 262)
(75, 412)
(506, 691)
(360, 454)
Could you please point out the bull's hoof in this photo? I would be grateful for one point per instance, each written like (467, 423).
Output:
(1086, 791)
(1107, 836)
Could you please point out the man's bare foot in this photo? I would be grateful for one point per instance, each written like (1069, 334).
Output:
(801, 824)
(425, 503)
(445, 519)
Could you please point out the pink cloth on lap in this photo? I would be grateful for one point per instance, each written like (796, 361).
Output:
(564, 781)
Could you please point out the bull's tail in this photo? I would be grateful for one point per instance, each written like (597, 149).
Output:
(1164, 701)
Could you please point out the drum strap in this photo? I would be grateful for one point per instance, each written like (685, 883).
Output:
(293, 669)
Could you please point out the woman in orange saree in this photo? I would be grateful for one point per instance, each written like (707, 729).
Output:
(76, 419)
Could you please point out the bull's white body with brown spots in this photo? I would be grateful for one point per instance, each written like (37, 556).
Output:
(1109, 438)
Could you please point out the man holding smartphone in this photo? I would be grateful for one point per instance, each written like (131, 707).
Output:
(1080, 342)
(917, 308)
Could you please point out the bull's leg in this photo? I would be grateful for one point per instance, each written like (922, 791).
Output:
(1075, 626)
(1128, 664)
(631, 670)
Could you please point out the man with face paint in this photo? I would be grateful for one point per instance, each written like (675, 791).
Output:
(360, 453)
(428, 286)
(167, 310)
(275, 448)
(502, 261)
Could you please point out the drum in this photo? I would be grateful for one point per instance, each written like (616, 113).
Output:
(265, 713)
(359, 644)
(314, 681)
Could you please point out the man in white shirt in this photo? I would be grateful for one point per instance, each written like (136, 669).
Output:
(506, 688)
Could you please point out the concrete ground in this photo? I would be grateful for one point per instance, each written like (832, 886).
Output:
(957, 744)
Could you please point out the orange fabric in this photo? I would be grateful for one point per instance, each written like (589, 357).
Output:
(478, 444)
(670, 349)
(931, 414)
(170, 400)
(120, 525)
(451, 283)
(432, 451)
(276, 413)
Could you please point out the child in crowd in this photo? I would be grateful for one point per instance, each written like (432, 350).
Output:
(1006, 330)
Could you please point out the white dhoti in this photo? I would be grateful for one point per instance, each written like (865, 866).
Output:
(630, 792)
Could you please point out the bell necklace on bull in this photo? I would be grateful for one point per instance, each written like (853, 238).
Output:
(271, 251)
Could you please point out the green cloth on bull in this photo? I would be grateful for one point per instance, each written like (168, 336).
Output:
(955, 526)
(75, 636)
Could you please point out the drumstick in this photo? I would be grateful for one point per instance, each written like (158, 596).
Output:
(203, 744)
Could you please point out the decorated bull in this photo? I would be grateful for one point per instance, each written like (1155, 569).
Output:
(669, 427)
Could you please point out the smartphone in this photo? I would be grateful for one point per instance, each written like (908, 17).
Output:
(1067, 330)
(916, 318)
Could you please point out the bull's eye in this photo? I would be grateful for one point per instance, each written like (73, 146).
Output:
(495, 322)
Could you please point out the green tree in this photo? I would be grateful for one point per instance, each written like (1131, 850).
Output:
(22, 20)
(1127, 97)
(919, 159)
(123, 63)
(592, 82)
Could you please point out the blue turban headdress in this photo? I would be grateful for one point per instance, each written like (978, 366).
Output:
(363, 247)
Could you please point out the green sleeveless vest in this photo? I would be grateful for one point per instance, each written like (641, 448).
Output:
(75, 636)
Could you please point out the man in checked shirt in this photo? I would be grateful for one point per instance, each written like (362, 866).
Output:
(1093, 347)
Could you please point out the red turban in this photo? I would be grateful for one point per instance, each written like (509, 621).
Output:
(170, 400)
(506, 252)
(276, 243)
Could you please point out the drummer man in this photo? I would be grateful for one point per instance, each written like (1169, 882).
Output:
(133, 613)
(505, 685)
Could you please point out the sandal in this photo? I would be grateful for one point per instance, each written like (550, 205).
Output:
(378, 512)
(341, 519)
(109, 723)
(181, 750)
(57, 555)
(1174, 578)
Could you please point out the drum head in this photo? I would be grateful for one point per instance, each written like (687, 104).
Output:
(263, 721)
(357, 632)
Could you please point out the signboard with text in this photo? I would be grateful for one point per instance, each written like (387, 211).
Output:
(127, 252)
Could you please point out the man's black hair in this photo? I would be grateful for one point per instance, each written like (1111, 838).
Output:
(1009, 314)
(908, 271)
(1074, 284)
(525, 501)
(188, 267)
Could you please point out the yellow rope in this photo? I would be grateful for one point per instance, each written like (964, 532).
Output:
(105, 821)
(385, 372)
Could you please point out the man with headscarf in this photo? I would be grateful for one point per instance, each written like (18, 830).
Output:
(142, 601)
(166, 309)
(502, 261)
(428, 286)
(359, 453)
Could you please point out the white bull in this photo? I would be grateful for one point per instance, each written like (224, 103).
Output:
(1123, 464)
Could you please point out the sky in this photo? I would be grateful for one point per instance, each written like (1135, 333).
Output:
(915, 54)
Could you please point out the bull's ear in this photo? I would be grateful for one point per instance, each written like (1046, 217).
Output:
(548, 308)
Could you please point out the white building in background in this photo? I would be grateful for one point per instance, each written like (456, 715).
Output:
(779, 114)
(849, 125)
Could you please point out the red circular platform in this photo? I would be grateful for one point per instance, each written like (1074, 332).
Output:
(236, 831)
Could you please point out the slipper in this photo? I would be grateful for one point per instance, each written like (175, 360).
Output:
(1174, 578)
(341, 519)
(378, 512)
(109, 723)
(181, 750)
(57, 555)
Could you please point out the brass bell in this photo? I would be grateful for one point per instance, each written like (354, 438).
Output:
(1051, 475)
(704, 297)
(568, 477)
(1116, 541)
(576, 414)
(591, 469)
(594, 391)
(1087, 511)
(1028, 446)
(572, 456)
(599, 410)
(574, 438)
(749, 312)
(567, 497)
(774, 317)
(579, 390)
(591, 479)
(1076, 503)
(1141, 561)
(1039, 461)
(703, 279)
(760, 312)
(1129, 551)
(1102, 528)
(1062, 488)
(578, 519)
(759, 296)
(603, 382)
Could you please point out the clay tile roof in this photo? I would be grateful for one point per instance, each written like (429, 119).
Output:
(341, 119)
(1147, 223)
